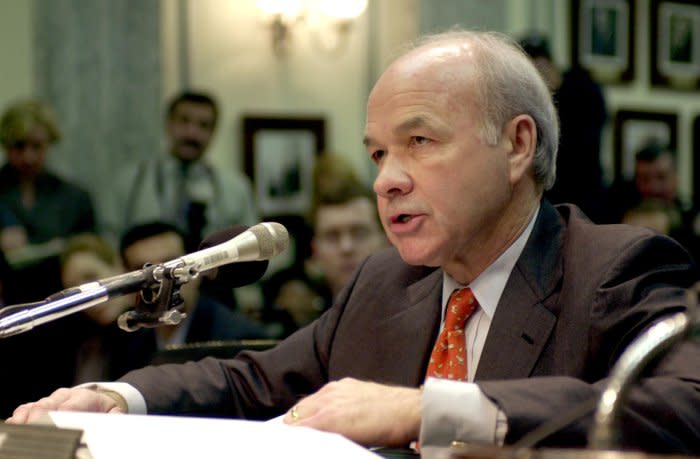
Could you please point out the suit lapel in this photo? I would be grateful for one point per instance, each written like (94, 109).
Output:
(522, 323)
(412, 330)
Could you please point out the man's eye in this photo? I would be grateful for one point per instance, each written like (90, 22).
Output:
(377, 155)
(419, 140)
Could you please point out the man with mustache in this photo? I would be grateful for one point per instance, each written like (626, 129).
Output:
(181, 187)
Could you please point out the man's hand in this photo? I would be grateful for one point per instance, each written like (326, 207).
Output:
(368, 413)
(75, 399)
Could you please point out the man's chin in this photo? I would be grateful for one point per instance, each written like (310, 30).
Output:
(417, 256)
(189, 154)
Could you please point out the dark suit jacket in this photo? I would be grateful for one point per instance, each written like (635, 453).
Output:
(577, 296)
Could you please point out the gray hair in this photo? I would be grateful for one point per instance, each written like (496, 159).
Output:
(508, 85)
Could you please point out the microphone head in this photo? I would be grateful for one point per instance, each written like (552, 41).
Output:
(272, 237)
(234, 274)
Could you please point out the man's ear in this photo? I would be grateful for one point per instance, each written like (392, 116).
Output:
(521, 133)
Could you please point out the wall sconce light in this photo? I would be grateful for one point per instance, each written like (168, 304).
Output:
(280, 15)
(330, 16)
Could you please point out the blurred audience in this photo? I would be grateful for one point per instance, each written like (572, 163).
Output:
(180, 186)
(660, 216)
(345, 230)
(206, 318)
(87, 258)
(652, 195)
(582, 113)
(38, 209)
(655, 174)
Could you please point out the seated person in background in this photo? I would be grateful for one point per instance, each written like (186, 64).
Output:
(656, 215)
(529, 304)
(207, 319)
(655, 175)
(346, 230)
(38, 209)
(656, 181)
(87, 258)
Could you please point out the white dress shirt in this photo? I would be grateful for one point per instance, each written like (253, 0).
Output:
(478, 419)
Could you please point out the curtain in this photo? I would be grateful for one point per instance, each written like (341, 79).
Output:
(98, 64)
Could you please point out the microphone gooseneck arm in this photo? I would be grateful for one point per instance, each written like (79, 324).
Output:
(73, 300)
(658, 339)
(25, 319)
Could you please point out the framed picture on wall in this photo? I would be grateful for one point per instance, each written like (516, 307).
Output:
(602, 38)
(279, 157)
(675, 44)
(635, 129)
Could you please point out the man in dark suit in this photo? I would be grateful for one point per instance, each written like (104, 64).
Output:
(464, 135)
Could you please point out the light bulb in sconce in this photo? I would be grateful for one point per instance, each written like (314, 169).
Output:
(336, 18)
(280, 15)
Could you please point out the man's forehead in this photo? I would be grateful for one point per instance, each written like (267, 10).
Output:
(193, 109)
(155, 249)
(429, 72)
(354, 210)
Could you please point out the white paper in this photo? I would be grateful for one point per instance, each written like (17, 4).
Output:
(112, 436)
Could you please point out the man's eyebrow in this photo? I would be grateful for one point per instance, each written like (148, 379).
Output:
(414, 122)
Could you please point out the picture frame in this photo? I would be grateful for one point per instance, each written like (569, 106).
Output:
(602, 39)
(633, 130)
(674, 51)
(279, 157)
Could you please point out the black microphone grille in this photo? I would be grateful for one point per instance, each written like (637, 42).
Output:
(234, 274)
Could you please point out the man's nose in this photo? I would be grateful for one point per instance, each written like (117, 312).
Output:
(392, 178)
(346, 242)
(31, 155)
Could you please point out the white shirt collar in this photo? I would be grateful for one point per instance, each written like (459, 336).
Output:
(489, 285)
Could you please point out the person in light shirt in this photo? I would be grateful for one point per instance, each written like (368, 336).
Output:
(464, 135)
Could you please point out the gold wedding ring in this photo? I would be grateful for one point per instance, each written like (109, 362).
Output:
(294, 412)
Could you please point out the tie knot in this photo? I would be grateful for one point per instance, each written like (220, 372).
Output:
(460, 306)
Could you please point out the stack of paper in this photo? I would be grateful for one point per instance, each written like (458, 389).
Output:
(112, 436)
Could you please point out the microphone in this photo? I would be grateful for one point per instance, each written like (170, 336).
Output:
(232, 275)
(260, 242)
(256, 244)
(252, 248)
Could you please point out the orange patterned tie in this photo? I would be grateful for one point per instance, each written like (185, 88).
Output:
(449, 357)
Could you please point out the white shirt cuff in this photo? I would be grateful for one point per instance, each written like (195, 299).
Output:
(457, 411)
(135, 402)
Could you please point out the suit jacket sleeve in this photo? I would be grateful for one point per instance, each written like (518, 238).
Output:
(254, 385)
(381, 328)
(627, 289)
